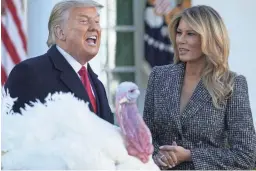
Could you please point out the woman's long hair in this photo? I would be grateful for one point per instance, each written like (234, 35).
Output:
(215, 46)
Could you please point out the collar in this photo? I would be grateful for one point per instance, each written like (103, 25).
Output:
(74, 63)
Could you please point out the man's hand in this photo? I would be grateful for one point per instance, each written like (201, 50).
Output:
(180, 153)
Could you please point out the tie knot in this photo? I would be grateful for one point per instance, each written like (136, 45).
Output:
(82, 71)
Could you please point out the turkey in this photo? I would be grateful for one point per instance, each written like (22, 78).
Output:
(137, 135)
(63, 134)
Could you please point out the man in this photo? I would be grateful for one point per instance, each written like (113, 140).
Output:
(74, 39)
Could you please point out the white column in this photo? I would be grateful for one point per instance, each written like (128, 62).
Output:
(38, 16)
(239, 17)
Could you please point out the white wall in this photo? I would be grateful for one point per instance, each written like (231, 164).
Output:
(38, 15)
(239, 17)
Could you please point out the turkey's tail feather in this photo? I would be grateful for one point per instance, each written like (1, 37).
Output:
(7, 102)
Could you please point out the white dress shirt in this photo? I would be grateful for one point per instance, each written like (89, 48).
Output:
(74, 63)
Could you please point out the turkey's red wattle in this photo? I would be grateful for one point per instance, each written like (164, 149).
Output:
(135, 131)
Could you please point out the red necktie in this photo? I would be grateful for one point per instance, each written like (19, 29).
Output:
(86, 82)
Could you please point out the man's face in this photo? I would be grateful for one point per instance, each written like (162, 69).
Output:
(83, 32)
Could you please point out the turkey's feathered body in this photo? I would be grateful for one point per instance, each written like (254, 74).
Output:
(74, 138)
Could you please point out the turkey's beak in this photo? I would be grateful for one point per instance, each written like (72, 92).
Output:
(123, 100)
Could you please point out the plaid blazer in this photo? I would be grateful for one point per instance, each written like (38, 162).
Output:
(201, 127)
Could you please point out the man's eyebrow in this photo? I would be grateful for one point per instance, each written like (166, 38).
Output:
(86, 16)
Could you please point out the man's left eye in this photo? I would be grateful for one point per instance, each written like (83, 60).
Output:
(83, 21)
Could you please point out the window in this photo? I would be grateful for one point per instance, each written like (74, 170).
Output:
(119, 48)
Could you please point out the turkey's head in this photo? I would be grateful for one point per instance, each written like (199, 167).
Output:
(135, 131)
(127, 92)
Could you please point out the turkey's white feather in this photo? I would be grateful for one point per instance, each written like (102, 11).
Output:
(62, 133)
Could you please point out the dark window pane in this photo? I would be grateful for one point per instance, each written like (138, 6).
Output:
(124, 49)
(121, 77)
(124, 12)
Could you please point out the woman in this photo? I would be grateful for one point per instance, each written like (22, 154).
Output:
(197, 109)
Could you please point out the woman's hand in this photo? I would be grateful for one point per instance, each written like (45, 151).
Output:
(181, 153)
(165, 159)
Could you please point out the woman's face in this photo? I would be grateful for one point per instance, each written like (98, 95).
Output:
(188, 43)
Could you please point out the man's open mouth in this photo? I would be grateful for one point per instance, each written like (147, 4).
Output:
(92, 40)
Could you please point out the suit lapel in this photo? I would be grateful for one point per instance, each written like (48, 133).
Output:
(72, 81)
(102, 102)
(173, 101)
(67, 74)
(199, 98)
(94, 78)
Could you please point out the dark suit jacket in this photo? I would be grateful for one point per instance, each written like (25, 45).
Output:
(36, 77)
(201, 127)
